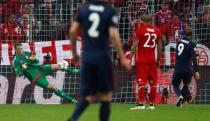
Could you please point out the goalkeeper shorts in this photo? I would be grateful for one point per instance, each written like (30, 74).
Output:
(46, 69)
(42, 82)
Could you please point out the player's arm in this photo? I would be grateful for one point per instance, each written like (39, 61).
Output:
(156, 19)
(134, 47)
(73, 38)
(195, 65)
(159, 42)
(115, 38)
(163, 40)
(159, 49)
(135, 42)
(32, 57)
(18, 69)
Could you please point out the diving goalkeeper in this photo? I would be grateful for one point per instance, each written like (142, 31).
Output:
(26, 64)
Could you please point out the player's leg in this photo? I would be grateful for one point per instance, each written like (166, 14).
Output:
(86, 90)
(186, 93)
(153, 80)
(50, 68)
(185, 90)
(105, 87)
(47, 70)
(105, 108)
(104, 98)
(60, 93)
(60, 66)
(142, 72)
(42, 82)
(176, 81)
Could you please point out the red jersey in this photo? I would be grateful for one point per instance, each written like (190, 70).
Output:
(164, 21)
(148, 36)
(176, 25)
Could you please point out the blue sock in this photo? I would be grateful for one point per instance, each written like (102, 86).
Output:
(80, 107)
(185, 92)
(104, 111)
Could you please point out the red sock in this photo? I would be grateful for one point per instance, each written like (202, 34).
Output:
(141, 94)
(153, 94)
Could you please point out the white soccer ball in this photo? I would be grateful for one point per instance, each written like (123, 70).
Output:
(63, 65)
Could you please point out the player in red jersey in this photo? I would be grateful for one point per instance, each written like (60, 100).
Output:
(147, 38)
(163, 20)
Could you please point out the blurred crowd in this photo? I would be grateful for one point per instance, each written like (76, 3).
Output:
(34, 20)
(45, 20)
(170, 16)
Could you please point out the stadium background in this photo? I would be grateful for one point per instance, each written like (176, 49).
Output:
(46, 34)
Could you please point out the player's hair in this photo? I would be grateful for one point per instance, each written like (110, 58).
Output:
(164, 2)
(17, 44)
(146, 18)
(188, 31)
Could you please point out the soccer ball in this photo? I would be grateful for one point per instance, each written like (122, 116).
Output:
(63, 65)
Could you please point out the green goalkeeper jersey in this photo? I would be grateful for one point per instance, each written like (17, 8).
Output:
(32, 67)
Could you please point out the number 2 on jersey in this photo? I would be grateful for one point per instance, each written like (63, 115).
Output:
(150, 37)
(180, 48)
(95, 19)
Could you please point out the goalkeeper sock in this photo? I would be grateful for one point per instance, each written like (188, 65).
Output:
(62, 95)
(80, 107)
(72, 71)
(105, 111)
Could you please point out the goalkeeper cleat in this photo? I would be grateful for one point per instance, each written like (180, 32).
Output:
(74, 100)
(138, 107)
(151, 107)
(72, 71)
(179, 101)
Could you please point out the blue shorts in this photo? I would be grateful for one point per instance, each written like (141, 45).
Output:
(179, 76)
(96, 77)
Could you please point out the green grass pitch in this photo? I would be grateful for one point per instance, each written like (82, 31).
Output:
(120, 112)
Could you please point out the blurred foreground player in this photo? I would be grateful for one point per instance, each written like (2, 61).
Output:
(185, 56)
(99, 23)
(27, 65)
(148, 37)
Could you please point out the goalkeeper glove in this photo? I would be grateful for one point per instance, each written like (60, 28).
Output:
(24, 66)
(32, 56)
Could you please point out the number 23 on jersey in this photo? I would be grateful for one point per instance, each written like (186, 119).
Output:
(151, 40)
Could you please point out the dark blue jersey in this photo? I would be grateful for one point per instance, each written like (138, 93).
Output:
(95, 18)
(185, 55)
